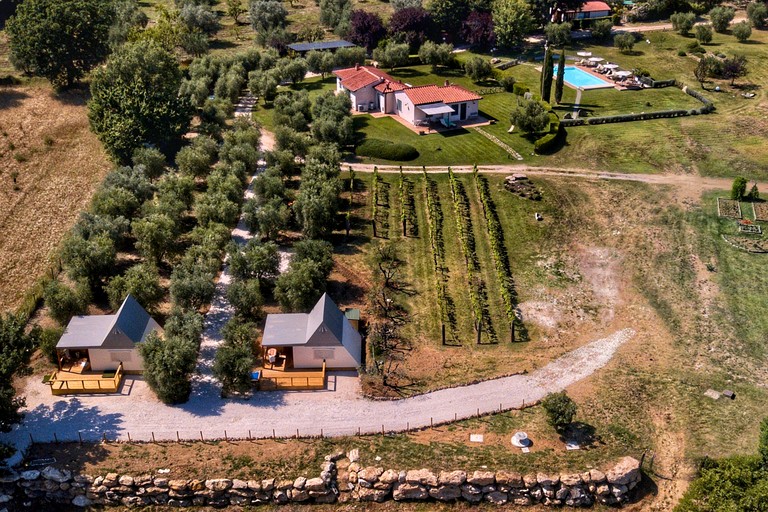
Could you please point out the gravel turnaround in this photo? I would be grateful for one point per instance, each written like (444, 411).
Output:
(338, 410)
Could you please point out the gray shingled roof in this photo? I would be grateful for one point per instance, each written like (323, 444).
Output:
(320, 45)
(130, 325)
(321, 327)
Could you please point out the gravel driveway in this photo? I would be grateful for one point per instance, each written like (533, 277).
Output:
(339, 410)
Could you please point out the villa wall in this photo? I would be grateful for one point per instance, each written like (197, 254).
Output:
(103, 360)
(342, 479)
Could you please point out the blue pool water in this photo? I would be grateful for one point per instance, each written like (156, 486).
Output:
(576, 77)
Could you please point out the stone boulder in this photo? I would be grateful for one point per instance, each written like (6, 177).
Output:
(421, 477)
(547, 480)
(407, 491)
(389, 477)
(62, 475)
(218, 484)
(445, 492)
(482, 478)
(625, 472)
(376, 495)
(509, 478)
(314, 484)
(570, 479)
(497, 497)
(455, 478)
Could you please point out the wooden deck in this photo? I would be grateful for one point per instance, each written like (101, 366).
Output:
(281, 378)
(72, 383)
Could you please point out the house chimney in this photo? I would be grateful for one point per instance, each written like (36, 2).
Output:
(357, 66)
(446, 84)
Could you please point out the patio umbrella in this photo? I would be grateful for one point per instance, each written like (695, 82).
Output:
(596, 59)
(610, 66)
(623, 73)
(584, 54)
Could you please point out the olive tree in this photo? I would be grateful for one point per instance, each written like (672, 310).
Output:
(234, 358)
(135, 100)
(531, 117)
(142, 281)
(560, 410)
(168, 366)
(60, 40)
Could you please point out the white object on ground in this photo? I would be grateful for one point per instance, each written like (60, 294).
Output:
(476, 438)
(520, 439)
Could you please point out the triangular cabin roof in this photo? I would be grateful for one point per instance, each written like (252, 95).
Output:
(321, 327)
(130, 325)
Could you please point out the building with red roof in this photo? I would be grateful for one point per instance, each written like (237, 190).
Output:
(371, 89)
(588, 11)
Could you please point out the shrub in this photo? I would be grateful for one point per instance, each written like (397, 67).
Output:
(757, 12)
(742, 31)
(683, 22)
(695, 47)
(508, 83)
(65, 302)
(168, 364)
(142, 281)
(624, 42)
(721, 17)
(560, 410)
(704, 34)
(681, 53)
(601, 29)
(559, 34)
(386, 150)
(234, 358)
(151, 159)
(520, 89)
(738, 189)
(477, 68)
(49, 338)
(245, 296)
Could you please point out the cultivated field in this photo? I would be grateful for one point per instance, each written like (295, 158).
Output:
(58, 163)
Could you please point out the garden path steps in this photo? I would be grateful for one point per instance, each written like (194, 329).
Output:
(204, 385)
(499, 143)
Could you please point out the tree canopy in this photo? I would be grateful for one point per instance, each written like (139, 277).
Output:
(512, 20)
(60, 40)
(135, 100)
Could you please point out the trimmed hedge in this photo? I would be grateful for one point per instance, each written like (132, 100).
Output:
(546, 142)
(386, 150)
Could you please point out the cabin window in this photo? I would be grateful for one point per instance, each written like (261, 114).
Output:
(117, 356)
(399, 106)
(319, 354)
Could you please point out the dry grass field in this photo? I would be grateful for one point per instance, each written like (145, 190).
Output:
(58, 163)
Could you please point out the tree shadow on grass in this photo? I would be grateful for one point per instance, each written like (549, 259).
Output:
(407, 73)
(12, 99)
(77, 95)
(222, 44)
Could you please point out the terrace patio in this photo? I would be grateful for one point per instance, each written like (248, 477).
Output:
(78, 380)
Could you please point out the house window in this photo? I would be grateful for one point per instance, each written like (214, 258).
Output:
(319, 354)
(455, 110)
(117, 356)
(399, 106)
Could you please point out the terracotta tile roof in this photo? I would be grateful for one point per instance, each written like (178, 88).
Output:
(390, 86)
(594, 6)
(356, 78)
(432, 94)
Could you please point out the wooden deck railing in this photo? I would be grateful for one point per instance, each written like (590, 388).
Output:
(290, 382)
(67, 386)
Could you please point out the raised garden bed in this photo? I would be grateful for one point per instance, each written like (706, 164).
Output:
(749, 244)
(728, 208)
(760, 211)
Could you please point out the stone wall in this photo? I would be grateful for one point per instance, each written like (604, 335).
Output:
(342, 478)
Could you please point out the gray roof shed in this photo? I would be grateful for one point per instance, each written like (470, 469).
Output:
(130, 325)
(321, 327)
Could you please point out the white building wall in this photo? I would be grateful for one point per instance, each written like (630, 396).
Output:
(312, 357)
(363, 96)
(109, 359)
(408, 110)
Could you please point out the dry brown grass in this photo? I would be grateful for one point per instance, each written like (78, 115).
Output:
(44, 137)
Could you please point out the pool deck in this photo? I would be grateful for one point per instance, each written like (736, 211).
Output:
(606, 84)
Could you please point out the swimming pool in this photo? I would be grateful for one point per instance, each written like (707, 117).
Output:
(576, 78)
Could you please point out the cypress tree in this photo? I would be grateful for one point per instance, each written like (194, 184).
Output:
(560, 77)
(546, 76)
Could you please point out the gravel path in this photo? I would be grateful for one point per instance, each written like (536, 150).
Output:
(339, 410)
